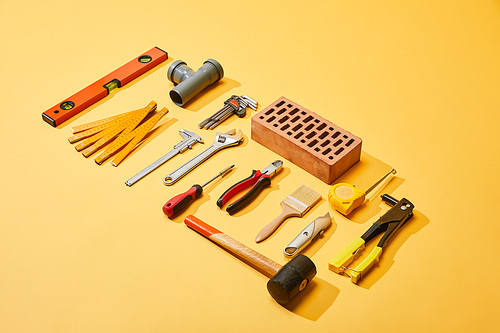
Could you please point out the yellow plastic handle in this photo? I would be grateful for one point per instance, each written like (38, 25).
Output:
(357, 273)
(345, 197)
(346, 256)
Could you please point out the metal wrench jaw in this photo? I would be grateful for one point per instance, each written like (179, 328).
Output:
(228, 139)
(222, 140)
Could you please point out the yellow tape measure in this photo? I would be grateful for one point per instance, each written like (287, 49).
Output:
(345, 197)
(118, 131)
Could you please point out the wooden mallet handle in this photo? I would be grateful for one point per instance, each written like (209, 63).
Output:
(241, 251)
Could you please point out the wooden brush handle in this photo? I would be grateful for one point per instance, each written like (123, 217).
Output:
(286, 212)
(241, 251)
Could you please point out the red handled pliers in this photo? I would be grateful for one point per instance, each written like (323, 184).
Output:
(258, 181)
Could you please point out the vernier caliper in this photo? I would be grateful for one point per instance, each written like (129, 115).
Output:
(190, 139)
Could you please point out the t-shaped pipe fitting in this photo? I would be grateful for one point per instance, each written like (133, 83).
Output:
(190, 83)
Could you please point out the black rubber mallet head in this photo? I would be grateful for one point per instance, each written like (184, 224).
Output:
(291, 279)
(286, 281)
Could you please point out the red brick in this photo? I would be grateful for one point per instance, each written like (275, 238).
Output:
(310, 141)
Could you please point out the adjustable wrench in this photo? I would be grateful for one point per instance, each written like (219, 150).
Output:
(190, 139)
(222, 140)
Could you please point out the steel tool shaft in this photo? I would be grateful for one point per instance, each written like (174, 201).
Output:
(190, 139)
(222, 140)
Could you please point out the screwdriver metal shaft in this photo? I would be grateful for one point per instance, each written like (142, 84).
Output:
(220, 174)
(180, 202)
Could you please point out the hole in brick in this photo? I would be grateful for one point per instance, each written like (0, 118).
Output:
(316, 149)
(281, 111)
(337, 143)
(336, 134)
(310, 135)
(295, 119)
(289, 133)
(294, 111)
(316, 121)
(303, 113)
(313, 143)
(345, 136)
(285, 127)
(289, 105)
(268, 112)
(323, 135)
(271, 119)
(330, 128)
(280, 104)
(297, 127)
(349, 143)
(330, 157)
(299, 135)
(261, 117)
(309, 127)
(282, 120)
(308, 119)
(320, 127)
(303, 141)
(275, 125)
(324, 144)
(339, 151)
(327, 150)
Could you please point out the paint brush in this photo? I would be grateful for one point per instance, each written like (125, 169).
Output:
(296, 204)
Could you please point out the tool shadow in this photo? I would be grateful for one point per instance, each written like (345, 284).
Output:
(411, 227)
(313, 302)
(211, 93)
(113, 93)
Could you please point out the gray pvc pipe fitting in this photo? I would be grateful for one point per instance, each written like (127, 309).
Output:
(190, 83)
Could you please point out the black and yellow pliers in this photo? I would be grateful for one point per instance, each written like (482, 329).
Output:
(389, 223)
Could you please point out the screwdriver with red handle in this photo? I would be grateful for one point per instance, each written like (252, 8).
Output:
(180, 202)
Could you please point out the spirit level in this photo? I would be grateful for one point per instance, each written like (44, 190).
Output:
(101, 88)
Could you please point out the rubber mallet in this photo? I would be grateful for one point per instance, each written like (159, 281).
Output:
(286, 281)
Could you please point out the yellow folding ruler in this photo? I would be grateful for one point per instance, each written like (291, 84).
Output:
(122, 133)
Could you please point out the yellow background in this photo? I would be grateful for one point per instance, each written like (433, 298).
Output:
(418, 81)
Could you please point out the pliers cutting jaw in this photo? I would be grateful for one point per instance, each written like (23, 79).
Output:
(258, 180)
(389, 223)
